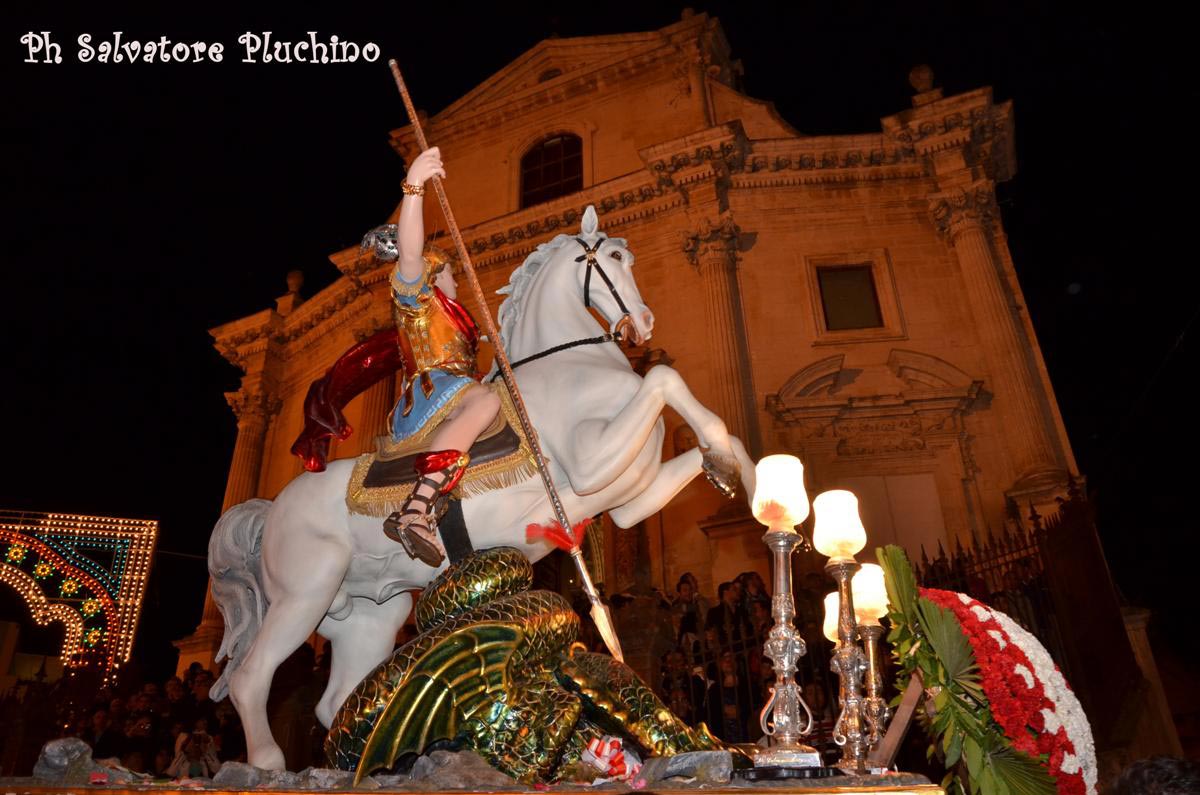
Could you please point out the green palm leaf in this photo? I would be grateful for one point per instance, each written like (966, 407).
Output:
(900, 581)
(1021, 774)
(949, 643)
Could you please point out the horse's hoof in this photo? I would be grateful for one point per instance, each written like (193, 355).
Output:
(723, 471)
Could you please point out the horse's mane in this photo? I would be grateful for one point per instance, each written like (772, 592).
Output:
(513, 307)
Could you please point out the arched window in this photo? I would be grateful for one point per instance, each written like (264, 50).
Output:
(551, 168)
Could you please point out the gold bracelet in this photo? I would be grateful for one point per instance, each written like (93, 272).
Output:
(412, 190)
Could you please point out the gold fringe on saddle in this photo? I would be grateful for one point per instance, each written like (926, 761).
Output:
(381, 481)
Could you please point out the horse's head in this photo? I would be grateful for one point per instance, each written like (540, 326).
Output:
(550, 294)
(605, 274)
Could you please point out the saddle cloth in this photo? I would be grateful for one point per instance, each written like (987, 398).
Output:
(501, 457)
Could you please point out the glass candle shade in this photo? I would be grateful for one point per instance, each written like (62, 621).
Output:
(839, 532)
(780, 501)
(830, 627)
(870, 594)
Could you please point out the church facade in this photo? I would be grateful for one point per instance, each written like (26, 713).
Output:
(849, 299)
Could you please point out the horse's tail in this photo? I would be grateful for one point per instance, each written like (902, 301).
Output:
(234, 556)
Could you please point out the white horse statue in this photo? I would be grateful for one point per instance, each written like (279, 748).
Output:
(302, 562)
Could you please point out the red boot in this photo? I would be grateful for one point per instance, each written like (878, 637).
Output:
(415, 525)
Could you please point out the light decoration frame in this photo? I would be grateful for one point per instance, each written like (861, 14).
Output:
(40, 553)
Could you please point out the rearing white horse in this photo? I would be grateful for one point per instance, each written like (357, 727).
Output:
(282, 568)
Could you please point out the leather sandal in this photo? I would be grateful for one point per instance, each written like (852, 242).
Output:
(415, 528)
(405, 527)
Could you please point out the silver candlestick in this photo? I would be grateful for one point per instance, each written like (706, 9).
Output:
(849, 664)
(875, 708)
(785, 718)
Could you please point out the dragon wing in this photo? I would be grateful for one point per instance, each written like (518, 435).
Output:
(442, 688)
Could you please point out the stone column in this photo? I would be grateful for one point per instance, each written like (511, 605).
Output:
(253, 408)
(712, 249)
(964, 217)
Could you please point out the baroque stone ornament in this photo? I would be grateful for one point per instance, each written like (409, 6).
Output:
(571, 215)
(253, 404)
(496, 667)
(710, 238)
(931, 398)
(901, 434)
(960, 208)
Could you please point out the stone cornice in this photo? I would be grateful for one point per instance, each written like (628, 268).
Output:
(318, 309)
(970, 121)
(717, 151)
(238, 339)
(826, 159)
(359, 265)
(622, 200)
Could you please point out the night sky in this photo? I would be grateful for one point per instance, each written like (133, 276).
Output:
(149, 203)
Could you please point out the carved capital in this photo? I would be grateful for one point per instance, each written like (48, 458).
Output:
(713, 241)
(964, 208)
(253, 405)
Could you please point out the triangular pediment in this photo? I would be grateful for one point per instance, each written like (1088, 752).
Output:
(554, 60)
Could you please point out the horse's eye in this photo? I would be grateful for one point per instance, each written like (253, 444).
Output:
(615, 255)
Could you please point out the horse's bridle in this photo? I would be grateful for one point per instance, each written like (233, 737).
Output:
(589, 253)
(618, 332)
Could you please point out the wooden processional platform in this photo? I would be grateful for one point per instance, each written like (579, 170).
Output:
(844, 786)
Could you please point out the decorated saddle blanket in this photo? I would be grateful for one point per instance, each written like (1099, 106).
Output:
(501, 457)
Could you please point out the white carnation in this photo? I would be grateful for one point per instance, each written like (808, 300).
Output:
(981, 612)
(1068, 712)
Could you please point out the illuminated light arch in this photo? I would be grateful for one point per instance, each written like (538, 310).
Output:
(89, 572)
(44, 612)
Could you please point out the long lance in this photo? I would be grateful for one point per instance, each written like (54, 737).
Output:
(600, 612)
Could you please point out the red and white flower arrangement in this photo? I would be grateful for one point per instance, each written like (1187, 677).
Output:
(1003, 719)
(1027, 694)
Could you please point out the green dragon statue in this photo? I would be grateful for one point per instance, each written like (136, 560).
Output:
(496, 668)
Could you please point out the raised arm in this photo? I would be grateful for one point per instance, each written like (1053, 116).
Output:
(411, 226)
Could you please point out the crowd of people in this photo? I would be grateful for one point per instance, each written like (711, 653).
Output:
(171, 730)
(717, 672)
